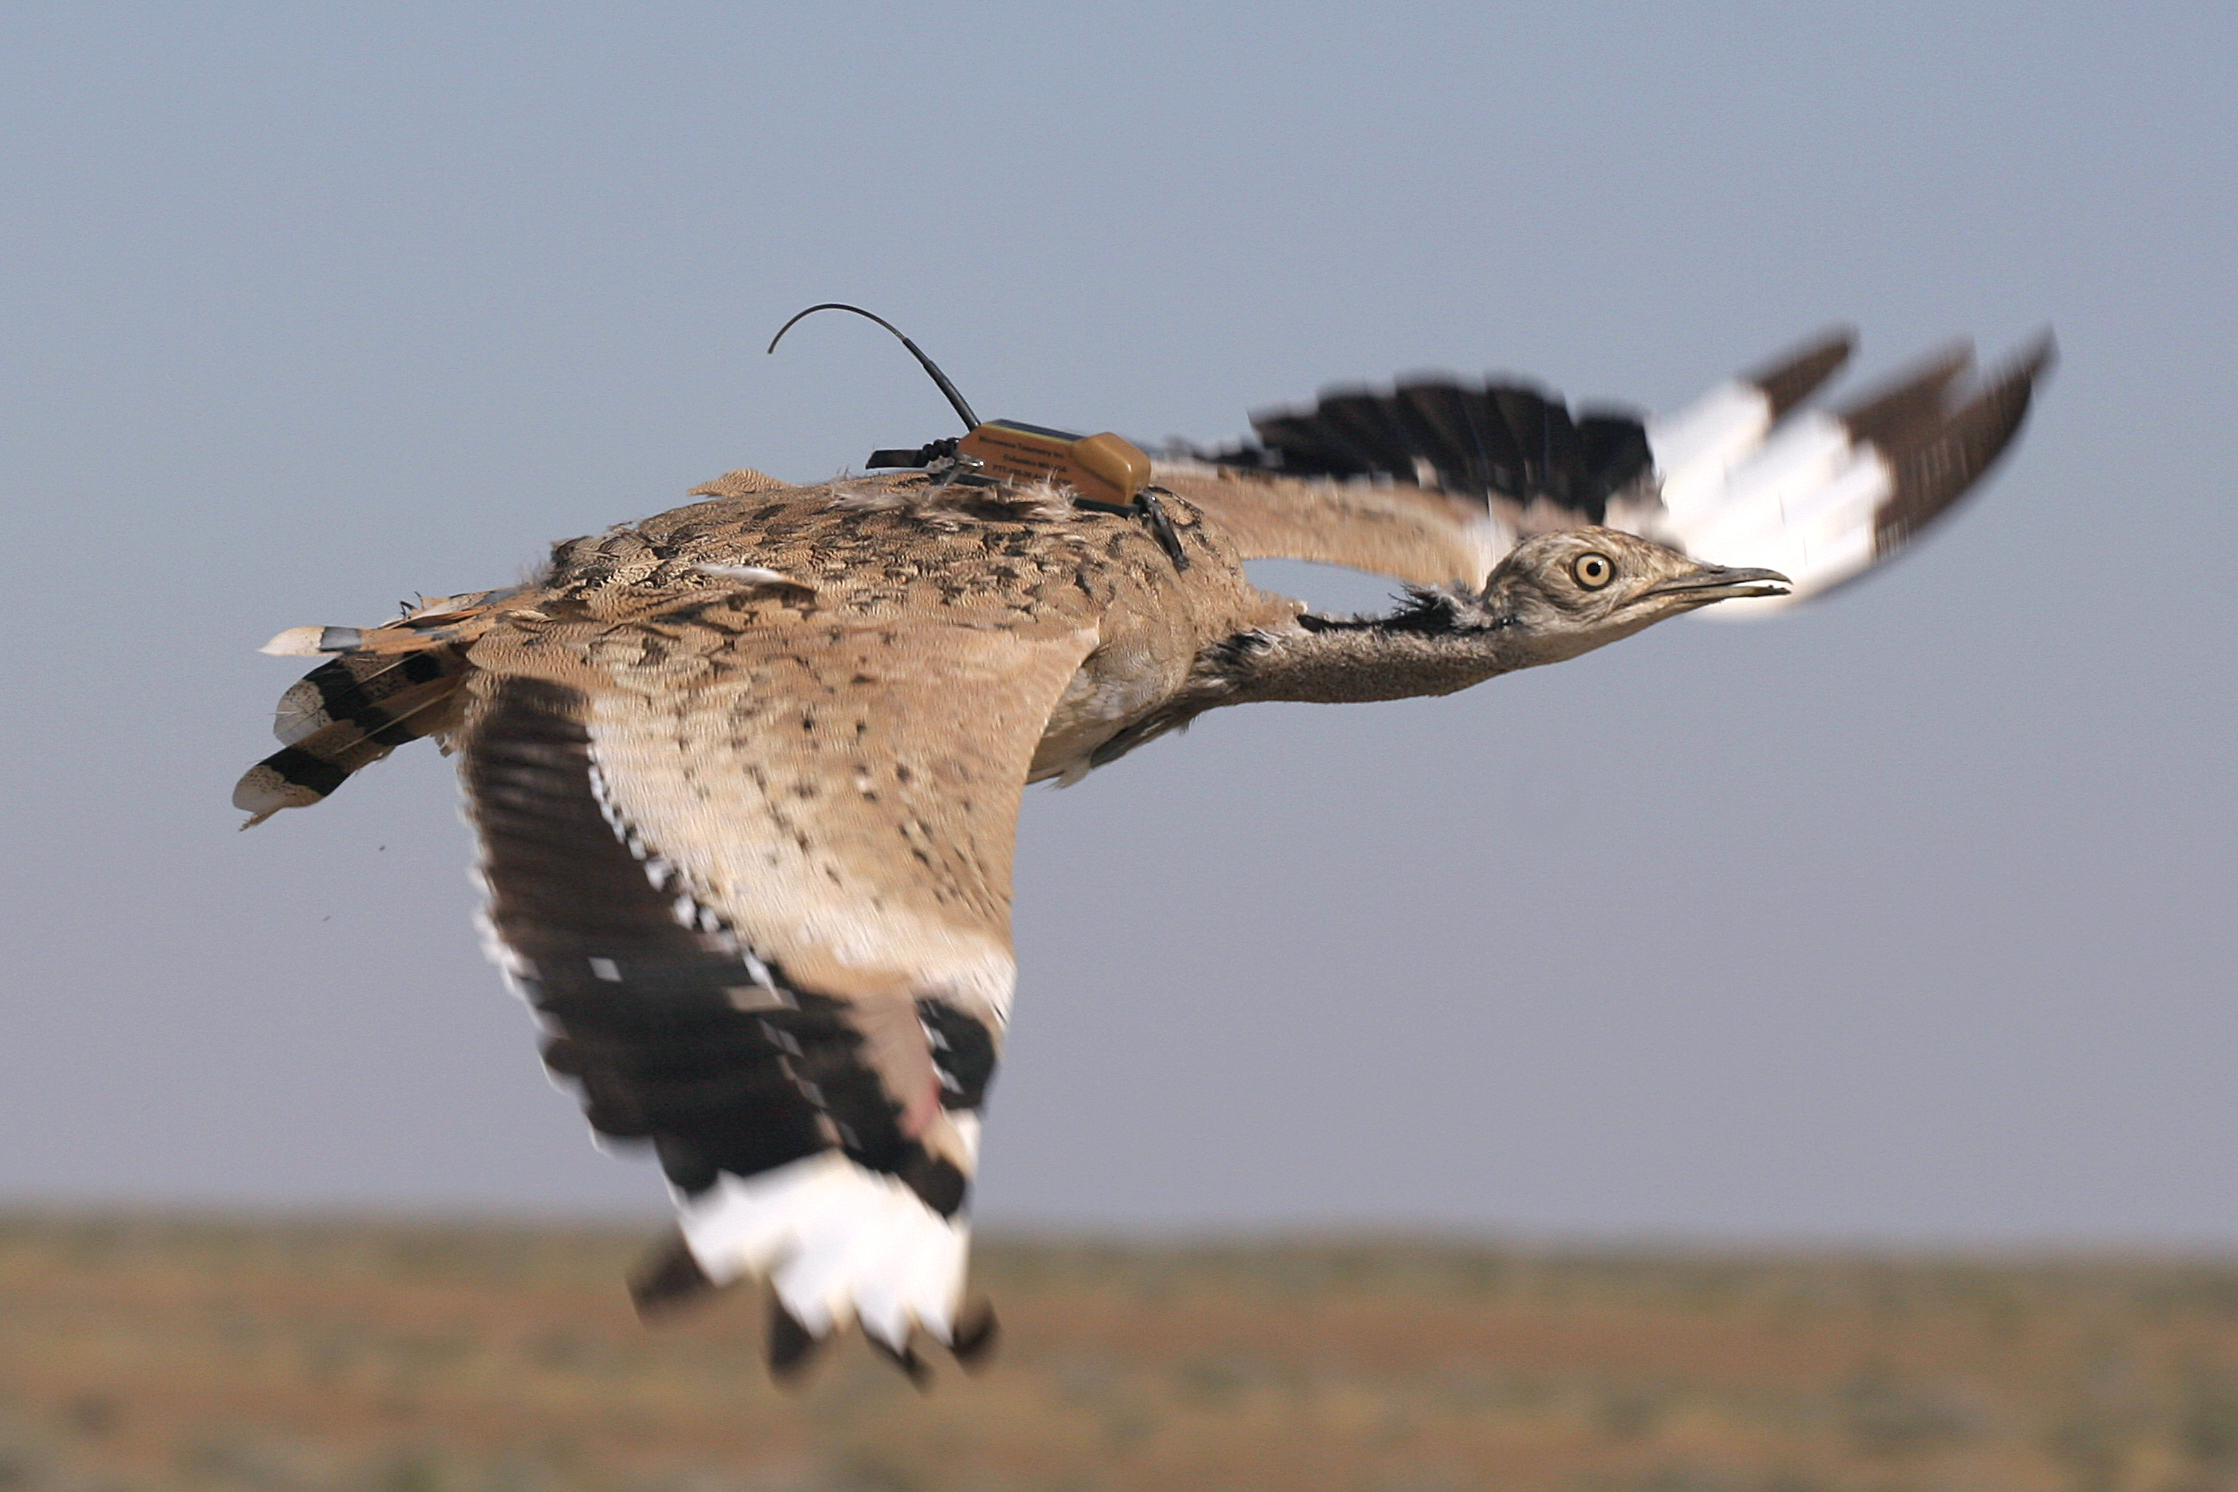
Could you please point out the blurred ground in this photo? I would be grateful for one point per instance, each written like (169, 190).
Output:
(148, 1352)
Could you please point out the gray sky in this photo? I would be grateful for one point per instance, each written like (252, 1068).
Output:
(1906, 918)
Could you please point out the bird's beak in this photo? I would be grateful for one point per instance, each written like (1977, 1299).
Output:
(1707, 583)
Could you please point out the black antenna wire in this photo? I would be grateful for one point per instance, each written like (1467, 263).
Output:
(971, 421)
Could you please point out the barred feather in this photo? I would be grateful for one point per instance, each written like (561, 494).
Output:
(347, 714)
(384, 686)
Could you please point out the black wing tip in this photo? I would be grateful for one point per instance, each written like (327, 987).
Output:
(1908, 406)
(1940, 466)
(670, 1280)
(976, 1336)
(938, 1182)
(971, 1341)
(792, 1347)
(905, 1358)
(2036, 359)
(1797, 374)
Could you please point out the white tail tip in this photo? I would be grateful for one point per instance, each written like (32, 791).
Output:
(296, 642)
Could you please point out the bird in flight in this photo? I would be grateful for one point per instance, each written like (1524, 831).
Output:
(745, 775)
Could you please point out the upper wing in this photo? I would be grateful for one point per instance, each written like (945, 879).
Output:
(1435, 480)
(752, 864)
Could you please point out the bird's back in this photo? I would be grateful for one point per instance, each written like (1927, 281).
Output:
(651, 603)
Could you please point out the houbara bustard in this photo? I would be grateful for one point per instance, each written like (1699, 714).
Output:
(746, 774)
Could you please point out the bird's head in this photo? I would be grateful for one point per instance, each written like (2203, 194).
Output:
(1565, 593)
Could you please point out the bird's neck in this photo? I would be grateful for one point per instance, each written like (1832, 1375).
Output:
(1427, 650)
(1356, 666)
(1436, 645)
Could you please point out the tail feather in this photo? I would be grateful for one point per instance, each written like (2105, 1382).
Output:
(437, 619)
(370, 689)
(379, 688)
(321, 757)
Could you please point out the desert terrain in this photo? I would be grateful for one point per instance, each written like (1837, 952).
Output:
(147, 1352)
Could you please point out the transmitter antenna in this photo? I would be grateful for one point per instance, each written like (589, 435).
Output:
(957, 400)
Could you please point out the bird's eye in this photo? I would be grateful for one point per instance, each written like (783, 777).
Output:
(1593, 570)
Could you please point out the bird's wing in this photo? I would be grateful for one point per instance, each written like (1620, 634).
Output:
(752, 866)
(1433, 481)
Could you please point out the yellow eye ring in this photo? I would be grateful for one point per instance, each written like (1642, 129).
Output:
(1592, 570)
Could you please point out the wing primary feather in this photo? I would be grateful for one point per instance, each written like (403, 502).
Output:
(1936, 470)
(1567, 480)
(1440, 433)
(1503, 457)
(1441, 406)
(1894, 414)
(1794, 376)
(1615, 452)
(1370, 429)
(1302, 444)
(1523, 412)
(791, 1347)
(670, 1280)
(977, 1334)
(1508, 440)
(903, 1356)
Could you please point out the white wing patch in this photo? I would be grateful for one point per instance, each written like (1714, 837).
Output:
(838, 1243)
(1824, 494)
(1803, 503)
(1697, 446)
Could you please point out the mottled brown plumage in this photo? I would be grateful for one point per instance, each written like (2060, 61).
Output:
(746, 774)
